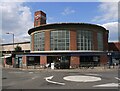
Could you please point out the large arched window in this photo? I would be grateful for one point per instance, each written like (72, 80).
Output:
(100, 40)
(59, 40)
(84, 40)
(39, 41)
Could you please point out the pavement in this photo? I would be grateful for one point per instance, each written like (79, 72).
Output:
(16, 78)
(95, 69)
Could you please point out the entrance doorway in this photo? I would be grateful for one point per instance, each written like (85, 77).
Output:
(90, 60)
(33, 60)
(18, 62)
(62, 62)
(9, 61)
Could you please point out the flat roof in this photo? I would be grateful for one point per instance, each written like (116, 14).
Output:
(16, 43)
(64, 26)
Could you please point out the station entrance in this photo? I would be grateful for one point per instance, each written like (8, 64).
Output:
(61, 62)
(9, 61)
(33, 60)
(90, 60)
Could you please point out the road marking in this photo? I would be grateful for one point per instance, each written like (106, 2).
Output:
(117, 78)
(107, 85)
(94, 74)
(30, 72)
(16, 72)
(80, 78)
(49, 78)
(34, 77)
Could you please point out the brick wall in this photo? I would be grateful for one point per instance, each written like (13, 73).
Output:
(40, 20)
(103, 59)
(74, 61)
(4, 62)
(43, 59)
(105, 41)
(13, 60)
(47, 40)
(114, 46)
(73, 40)
(24, 61)
(95, 41)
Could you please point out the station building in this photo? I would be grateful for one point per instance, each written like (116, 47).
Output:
(68, 45)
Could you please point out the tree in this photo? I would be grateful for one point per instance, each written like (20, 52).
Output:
(18, 48)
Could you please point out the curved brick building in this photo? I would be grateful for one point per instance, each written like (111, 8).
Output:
(67, 44)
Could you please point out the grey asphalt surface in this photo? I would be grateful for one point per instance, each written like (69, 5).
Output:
(34, 79)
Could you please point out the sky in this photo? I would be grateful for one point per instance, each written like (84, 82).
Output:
(17, 17)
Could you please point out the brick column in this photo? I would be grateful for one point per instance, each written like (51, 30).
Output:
(73, 40)
(103, 59)
(43, 60)
(47, 40)
(32, 42)
(95, 41)
(105, 41)
(13, 60)
(74, 61)
(4, 62)
(24, 61)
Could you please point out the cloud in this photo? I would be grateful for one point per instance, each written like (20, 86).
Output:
(113, 30)
(68, 11)
(109, 12)
(21, 1)
(108, 18)
(16, 18)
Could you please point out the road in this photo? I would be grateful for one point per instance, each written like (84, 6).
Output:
(59, 79)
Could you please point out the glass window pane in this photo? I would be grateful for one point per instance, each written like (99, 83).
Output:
(61, 38)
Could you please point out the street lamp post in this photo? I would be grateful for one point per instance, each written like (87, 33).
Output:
(13, 39)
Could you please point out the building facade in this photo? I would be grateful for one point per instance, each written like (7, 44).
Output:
(67, 45)
(114, 46)
(8, 48)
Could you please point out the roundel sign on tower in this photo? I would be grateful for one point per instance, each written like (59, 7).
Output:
(39, 16)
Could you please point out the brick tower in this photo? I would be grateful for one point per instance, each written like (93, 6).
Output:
(39, 18)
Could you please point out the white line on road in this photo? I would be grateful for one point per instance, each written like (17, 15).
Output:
(94, 74)
(117, 78)
(16, 72)
(82, 78)
(107, 85)
(34, 77)
(30, 72)
(49, 78)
